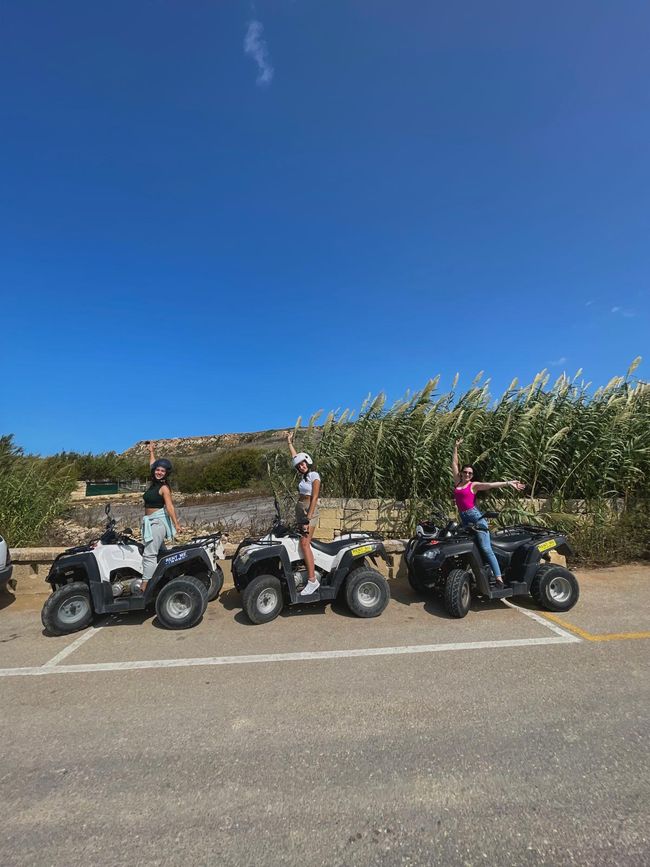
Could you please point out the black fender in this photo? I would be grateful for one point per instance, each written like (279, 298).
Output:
(355, 557)
(535, 556)
(241, 570)
(464, 553)
(85, 568)
(186, 562)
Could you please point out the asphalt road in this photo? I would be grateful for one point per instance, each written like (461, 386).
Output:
(528, 754)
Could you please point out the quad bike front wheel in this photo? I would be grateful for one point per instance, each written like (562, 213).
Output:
(262, 599)
(181, 603)
(555, 588)
(68, 609)
(458, 593)
(216, 583)
(366, 592)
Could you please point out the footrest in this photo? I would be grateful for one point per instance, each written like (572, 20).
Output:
(305, 600)
(500, 592)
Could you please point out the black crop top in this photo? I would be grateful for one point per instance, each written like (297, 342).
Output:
(152, 496)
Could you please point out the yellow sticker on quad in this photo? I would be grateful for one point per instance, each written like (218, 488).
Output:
(546, 545)
(364, 549)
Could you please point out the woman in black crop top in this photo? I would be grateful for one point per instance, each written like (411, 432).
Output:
(159, 515)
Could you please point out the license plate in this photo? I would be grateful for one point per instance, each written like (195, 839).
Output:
(544, 546)
(364, 549)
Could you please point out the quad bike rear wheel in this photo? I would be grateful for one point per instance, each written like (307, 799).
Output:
(555, 588)
(366, 592)
(68, 609)
(262, 599)
(458, 594)
(182, 602)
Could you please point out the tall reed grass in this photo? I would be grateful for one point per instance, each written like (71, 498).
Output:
(566, 440)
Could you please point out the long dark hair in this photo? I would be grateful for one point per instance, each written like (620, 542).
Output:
(460, 474)
(311, 468)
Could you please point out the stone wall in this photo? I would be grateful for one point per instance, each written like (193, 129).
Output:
(31, 566)
(338, 514)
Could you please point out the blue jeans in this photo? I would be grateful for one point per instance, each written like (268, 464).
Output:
(474, 516)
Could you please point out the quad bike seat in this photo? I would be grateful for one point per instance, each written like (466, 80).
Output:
(506, 544)
(333, 548)
(164, 551)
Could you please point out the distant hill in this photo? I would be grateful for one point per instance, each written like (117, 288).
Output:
(195, 446)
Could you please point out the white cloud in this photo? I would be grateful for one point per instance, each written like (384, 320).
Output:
(624, 311)
(255, 46)
(558, 361)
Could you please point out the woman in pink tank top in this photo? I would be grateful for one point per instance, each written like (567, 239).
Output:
(465, 490)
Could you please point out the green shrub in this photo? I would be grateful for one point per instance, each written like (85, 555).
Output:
(227, 471)
(33, 491)
(106, 465)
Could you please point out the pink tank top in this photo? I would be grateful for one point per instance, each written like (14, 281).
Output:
(465, 498)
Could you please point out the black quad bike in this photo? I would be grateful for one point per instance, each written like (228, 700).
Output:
(444, 558)
(269, 572)
(103, 577)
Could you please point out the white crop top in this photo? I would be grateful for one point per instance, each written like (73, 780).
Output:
(306, 482)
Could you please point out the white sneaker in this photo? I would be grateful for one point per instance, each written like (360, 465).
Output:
(310, 587)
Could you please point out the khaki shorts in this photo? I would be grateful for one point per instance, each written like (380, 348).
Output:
(302, 507)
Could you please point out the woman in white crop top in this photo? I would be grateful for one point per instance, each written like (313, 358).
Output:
(306, 511)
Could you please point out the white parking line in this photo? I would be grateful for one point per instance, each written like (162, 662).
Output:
(53, 667)
(305, 656)
(542, 621)
(71, 647)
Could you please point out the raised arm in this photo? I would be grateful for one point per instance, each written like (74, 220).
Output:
(489, 486)
(454, 462)
(152, 456)
(290, 443)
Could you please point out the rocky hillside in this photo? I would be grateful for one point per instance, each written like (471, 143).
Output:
(189, 446)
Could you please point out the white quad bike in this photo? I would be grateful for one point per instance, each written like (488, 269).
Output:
(270, 572)
(103, 577)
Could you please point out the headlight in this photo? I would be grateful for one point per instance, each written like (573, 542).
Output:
(430, 554)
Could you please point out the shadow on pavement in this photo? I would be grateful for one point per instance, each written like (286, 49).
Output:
(6, 599)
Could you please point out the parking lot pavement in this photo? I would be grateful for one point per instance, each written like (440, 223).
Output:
(528, 754)
(533, 755)
(22, 642)
(614, 603)
(225, 631)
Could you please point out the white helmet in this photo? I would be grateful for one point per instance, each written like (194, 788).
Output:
(302, 456)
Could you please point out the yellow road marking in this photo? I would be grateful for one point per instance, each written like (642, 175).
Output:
(590, 636)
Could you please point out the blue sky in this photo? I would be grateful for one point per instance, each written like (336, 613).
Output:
(218, 216)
